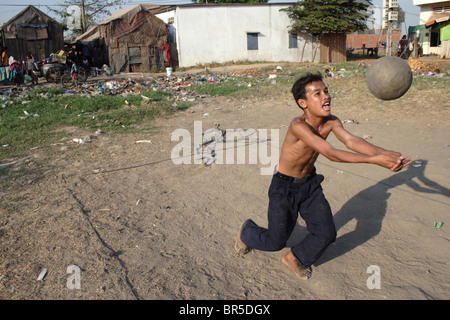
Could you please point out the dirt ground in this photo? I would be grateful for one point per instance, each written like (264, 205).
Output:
(118, 219)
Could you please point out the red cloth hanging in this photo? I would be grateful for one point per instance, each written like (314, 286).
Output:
(167, 48)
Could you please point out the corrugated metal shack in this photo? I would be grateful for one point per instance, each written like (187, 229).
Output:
(32, 31)
(134, 39)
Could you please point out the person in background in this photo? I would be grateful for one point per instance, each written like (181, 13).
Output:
(5, 58)
(30, 67)
(402, 47)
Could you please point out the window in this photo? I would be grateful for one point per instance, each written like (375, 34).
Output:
(441, 9)
(252, 41)
(293, 40)
(435, 40)
(134, 55)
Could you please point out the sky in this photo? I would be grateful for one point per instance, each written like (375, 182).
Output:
(9, 8)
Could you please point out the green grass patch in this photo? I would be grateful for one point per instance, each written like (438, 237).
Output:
(33, 119)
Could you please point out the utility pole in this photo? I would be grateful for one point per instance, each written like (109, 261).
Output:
(83, 18)
(390, 14)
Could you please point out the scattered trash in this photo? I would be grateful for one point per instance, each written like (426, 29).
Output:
(112, 85)
(350, 121)
(83, 140)
(144, 141)
(165, 207)
(438, 225)
(206, 114)
(30, 114)
(42, 274)
(179, 86)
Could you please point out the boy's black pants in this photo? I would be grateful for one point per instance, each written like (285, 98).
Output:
(287, 197)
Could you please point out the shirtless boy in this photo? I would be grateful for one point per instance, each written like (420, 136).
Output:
(295, 188)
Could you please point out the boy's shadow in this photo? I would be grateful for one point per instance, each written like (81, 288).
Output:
(368, 208)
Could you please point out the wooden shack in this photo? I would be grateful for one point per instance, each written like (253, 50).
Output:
(134, 40)
(332, 47)
(32, 31)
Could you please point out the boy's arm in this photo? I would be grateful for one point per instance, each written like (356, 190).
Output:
(314, 141)
(357, 144)
(360, 145)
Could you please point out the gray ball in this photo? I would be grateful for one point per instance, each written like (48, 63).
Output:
(389, 78)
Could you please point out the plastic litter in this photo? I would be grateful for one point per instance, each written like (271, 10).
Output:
(42, 274)
(82, 140)
(438, 225)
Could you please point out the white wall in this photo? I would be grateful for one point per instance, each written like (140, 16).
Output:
(426, 11)
(218, 33)
(166, 16)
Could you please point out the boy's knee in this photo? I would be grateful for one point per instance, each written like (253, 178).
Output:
(277, 244)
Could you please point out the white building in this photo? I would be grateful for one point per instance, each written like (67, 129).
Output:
(221, 33)
(435, 16)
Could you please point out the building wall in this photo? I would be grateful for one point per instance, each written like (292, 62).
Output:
(169, 18)
(40, 48)
(139, 50)
(356, 41)
(426, 11)
(218, 33)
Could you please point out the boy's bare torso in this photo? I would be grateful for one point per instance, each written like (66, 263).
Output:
(297, 159)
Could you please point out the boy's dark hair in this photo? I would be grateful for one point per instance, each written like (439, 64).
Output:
(298, 89)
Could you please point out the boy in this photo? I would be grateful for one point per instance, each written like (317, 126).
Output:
(296, 188)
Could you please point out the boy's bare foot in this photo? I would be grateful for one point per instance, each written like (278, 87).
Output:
(240, 247)
(289, 260)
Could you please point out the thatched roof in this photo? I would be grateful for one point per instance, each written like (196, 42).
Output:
(29, 17)
(30, 24)
(126, 14)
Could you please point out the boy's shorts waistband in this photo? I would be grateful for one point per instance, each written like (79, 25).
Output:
(293, 179)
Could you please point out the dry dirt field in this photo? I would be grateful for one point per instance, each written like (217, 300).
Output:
(117, 219)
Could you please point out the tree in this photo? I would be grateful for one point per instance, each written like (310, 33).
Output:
(325, 16)
(80, 15)
(230, 1)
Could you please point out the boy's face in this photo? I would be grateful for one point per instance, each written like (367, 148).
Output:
(318, 100)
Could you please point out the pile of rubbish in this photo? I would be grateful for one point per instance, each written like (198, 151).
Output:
(179, 86)
(420, 68)
(125, 87)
